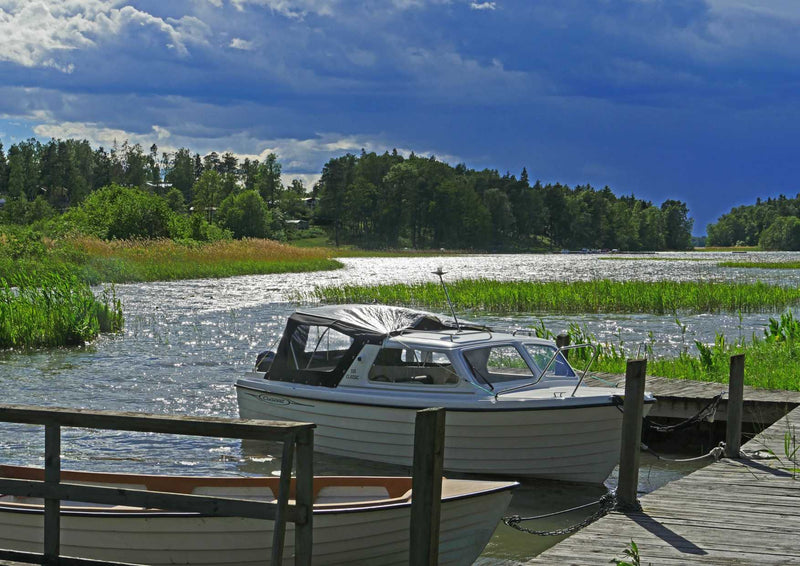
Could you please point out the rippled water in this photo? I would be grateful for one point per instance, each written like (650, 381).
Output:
(186, 342)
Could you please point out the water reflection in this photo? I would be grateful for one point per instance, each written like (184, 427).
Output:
(186, 342)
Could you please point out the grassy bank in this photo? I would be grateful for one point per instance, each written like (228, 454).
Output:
(662, 297)
(94, 260)
(772, 361)
(54, 311)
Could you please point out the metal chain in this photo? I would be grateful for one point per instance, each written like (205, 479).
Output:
(607, 504)
(706, 413)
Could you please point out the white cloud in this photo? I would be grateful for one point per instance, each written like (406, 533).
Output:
(483, 5)
(293, 9)
(241, 44)
(43, 34)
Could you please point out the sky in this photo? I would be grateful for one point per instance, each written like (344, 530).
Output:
(694, 100)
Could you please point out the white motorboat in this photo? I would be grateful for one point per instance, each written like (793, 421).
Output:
(514, 404)
(357, 520)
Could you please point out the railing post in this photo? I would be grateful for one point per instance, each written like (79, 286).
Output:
(633, 410)
(52, 507)
(562, 340)
(733, 432)
(426, 487)
(304, 498)
(284, 486)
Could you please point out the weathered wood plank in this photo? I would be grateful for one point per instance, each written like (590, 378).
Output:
(731, 512)
(221, 427)
(222, 506)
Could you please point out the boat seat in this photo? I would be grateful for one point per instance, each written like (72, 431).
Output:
(429, 375)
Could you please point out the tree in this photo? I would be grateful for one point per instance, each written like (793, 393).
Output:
(783, 234)
(337, 174)
(268, 180)
(246, 215)
(117, 212)
(677, 225)
(181, 173)
(3, 171)
(207, 193)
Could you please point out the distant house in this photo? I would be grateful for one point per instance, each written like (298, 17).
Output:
(159, 185)
(310, 202)
(297, 224)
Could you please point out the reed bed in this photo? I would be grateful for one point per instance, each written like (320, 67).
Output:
(772, 360)
(125, 261)
(597, 296)
(54, 311)
(761, 264)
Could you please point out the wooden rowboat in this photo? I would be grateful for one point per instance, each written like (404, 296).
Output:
(357, 520)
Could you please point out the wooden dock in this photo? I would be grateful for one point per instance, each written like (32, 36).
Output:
(683, 398)
(732, 512)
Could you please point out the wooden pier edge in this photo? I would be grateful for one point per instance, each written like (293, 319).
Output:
(731, 512)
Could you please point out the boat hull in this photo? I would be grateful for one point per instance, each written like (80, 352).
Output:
(578, 443)
(377, 535)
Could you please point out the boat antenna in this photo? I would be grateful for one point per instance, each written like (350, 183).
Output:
(440, 273)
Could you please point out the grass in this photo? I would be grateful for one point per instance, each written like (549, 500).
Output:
(54, 311)
(661, 297)
(761, 264)
(727, 249)
(95, 260)
(772, 361)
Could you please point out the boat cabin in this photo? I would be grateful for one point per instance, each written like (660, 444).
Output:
(336, 345)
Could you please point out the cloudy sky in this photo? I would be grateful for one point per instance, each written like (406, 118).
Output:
(695, 100)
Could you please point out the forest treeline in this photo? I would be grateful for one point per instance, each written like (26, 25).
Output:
(388, 200)
(369, 200)
(772, 224)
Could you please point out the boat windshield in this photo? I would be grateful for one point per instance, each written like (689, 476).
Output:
(541, 354)
(413, 366)
(499, 364)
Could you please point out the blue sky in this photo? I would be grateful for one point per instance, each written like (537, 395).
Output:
(686, 99)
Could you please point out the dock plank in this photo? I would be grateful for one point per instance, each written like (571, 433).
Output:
(731, 512)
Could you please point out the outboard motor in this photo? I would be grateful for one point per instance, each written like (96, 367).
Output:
(264, 360)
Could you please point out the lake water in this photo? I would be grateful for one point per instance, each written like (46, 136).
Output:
(186, 342)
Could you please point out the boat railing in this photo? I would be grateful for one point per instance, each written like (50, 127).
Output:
(558, 351)
(296, 438)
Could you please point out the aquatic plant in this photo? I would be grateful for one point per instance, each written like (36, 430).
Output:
(631, 554)
(54, 311)
(761, 264)
(596, 296)
(117, 261)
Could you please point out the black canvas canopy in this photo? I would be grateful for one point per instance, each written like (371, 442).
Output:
(300, 359)
(376, 320)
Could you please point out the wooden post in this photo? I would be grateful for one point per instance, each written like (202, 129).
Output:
(284, 486)
(426, 487)
(633, 410)
(733, 432)
(52, 507)
(562, 340)
(304, 496)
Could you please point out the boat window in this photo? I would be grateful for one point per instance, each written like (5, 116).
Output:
(412, 366)
(541, 355)
(317, 347)
(498, 364)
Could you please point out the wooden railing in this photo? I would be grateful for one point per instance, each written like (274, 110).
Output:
(297, 437)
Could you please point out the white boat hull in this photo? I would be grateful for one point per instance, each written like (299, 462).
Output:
(577, 443)
(374, 536)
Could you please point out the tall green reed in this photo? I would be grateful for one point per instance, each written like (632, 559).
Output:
(602, 295)
(54, 311)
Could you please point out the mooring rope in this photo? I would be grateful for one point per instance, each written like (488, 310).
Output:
(716, 453)
(607, 504)
(706, 413)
